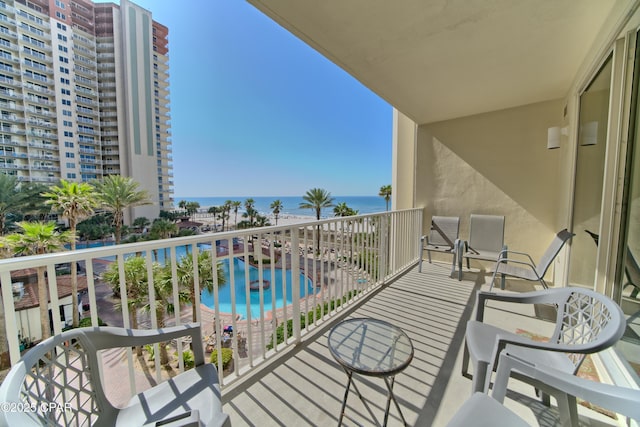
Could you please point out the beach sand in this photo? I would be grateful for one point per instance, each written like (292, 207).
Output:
(283, 220)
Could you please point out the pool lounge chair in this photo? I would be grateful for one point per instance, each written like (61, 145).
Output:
(486, 240)
(443, 237)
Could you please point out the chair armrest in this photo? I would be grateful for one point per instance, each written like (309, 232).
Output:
(505, 340)
(619, 399)
(504, 255)
(547, 296)
(106, 337)
(515, 261)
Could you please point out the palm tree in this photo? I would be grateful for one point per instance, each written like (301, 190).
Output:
(385, 191)
(164, 303)
(141, 223)
(250, 210)
(74, 201)
(11, 199)
(276, 207)
(223, 213)
(185, 272)
(316, 199)
(116, 193)
(164, 229)
(341, 209)
(192, 208)
(213, 210)
(34, 207)
(38, 238)
(182, 204)
(261, 221)
(170, 215)
(235, 205)
(136, 281)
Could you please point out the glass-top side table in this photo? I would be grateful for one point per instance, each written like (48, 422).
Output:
(370, 347)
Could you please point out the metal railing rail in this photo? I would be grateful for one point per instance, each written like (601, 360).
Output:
(319, 267)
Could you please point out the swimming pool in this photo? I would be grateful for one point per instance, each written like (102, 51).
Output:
(224, 291)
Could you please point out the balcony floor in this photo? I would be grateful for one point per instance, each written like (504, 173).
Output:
(305, 386)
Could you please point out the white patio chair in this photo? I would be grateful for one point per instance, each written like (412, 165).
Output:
(486, 240)
(481, 410)
(443, 237)
(586, 322)
(58, 383)
(520, 264)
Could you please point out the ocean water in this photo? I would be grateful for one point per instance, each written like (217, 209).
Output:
(363, 204)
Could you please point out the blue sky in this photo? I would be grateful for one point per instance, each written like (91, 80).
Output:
(257, 112)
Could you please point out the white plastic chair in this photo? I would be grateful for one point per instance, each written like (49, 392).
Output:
(586, 322)
(520, 264)
(442, 237)
(59, 382)
(481, 410)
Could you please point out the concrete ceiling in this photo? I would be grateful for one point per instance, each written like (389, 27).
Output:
(441, 59)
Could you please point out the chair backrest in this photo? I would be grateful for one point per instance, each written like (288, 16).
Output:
(587, 322)
(486, 232)
(552, 251)
(59, 381)
(444, 230)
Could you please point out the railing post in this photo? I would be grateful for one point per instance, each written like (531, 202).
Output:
(295, 283)
(10, 317)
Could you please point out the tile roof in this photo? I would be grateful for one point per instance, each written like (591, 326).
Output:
(30, 296)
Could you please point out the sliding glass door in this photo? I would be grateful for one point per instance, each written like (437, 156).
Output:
(627, 283)
(589, 177)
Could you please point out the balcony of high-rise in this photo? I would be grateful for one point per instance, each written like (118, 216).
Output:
(37, 88)
(84, 10)
(85, 40)
(4, 19)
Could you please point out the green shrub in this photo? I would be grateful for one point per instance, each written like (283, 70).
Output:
(309, 318)
(152, 352)
(86, 322)
(187, 359)
(227, 357)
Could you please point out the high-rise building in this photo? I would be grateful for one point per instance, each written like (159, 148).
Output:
(84, 93)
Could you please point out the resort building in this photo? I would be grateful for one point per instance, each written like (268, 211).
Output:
(84, 93)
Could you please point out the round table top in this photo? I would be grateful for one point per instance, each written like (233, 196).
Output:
(370, 346)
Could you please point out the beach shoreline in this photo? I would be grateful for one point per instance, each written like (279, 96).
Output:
(287, 219)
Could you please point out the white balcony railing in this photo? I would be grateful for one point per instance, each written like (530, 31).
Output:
(356, 256)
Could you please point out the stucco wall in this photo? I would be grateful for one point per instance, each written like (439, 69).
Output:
(495, 163)
(404, 157)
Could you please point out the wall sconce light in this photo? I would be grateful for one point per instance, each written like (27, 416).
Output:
(589, 133)
(554, 134)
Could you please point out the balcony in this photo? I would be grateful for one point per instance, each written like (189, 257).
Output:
(370, 261)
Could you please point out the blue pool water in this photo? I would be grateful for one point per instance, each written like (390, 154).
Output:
(224, 291)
